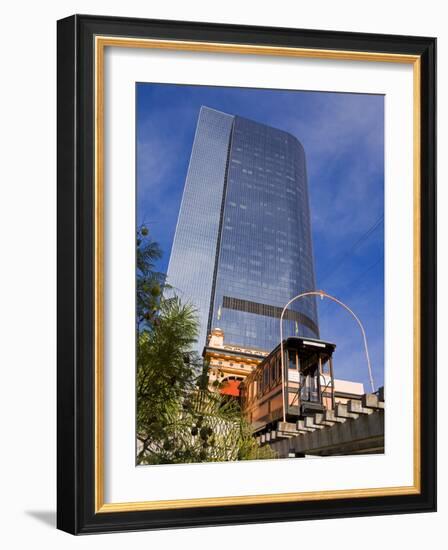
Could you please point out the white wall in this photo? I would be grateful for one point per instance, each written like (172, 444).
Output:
(28, 241)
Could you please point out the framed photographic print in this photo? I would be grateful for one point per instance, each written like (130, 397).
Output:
(246, 274)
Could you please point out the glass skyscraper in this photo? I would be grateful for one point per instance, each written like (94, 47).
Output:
(242, 247)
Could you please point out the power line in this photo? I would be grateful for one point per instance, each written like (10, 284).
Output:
(355, 282)
(348, 252)
(354, 246)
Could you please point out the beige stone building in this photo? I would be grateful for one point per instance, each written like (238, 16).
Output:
(228, 364)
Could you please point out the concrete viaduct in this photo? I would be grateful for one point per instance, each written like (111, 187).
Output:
(355, 427)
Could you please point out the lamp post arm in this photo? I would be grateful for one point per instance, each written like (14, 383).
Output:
(322, 294)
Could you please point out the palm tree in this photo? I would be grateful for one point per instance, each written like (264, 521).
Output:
(150, 282)
(178, 418)
(164, 373)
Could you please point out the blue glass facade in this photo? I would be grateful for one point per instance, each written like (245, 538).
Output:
(243, 241)
(193, 254)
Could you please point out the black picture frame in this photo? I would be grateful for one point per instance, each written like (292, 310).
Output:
(76, 511)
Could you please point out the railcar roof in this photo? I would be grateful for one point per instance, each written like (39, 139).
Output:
(300, 342)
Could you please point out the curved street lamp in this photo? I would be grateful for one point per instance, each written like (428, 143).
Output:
(322, 294)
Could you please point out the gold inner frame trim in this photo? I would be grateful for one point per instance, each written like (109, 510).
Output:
(101, 42)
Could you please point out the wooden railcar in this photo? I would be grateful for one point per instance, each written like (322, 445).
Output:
(307, 385)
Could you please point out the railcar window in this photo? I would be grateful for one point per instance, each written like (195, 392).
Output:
(273, 368)
(259, 381)
(314, 392)
(309, 390)
(292, 359)
(304, 390)
(266, 377)
(309, 362)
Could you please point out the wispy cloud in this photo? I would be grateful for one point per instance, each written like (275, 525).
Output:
(342, 135)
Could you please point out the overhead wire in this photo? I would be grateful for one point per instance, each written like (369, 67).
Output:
(345, 255)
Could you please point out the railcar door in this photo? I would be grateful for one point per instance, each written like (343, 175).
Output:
(310, 367)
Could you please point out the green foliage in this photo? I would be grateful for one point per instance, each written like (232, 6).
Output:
(165, 373)
(178, 418)
(150, 283)
(206, 427)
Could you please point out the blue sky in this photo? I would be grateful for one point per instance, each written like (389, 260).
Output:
(343, 138)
